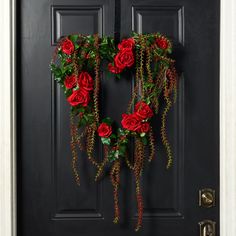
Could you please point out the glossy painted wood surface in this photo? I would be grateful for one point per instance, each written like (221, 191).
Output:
(49, 201)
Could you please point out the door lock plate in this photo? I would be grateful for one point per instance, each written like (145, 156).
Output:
(207, 198)
(207, 228)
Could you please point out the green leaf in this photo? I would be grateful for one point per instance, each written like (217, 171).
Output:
(74, 38)
(118, 76)
(169, 50)
(142, 134)
(90, 118)
(121, 132)
(148, 100)
(106, 141)
(111, 156)
(117, 153)
(81, 109)
(113, 136)
(82, 122)
(76, 46)
(144, 140)
(68, 92)
(122, 150)
(107, 120)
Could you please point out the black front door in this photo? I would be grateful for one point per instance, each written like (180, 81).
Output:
(49, 201)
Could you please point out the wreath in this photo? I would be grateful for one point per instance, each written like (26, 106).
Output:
(77, 64)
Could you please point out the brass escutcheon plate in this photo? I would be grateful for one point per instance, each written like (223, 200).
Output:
(207, 198)
(207, 228)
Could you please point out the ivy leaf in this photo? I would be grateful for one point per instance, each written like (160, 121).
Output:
(118, 76)
(82, 122)
(90, 118)
(121, 132)
(106, 141)
(169, 50)
(113, 136)
(76, 46)
(111, 156)
(107, 120)
(68, 92)
(122, 150)
(81, 109)
(142, 134)
(58, 75)
(148, 100)
(74, 38)
(144, 140)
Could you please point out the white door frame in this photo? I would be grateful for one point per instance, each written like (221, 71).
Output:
(227, 119)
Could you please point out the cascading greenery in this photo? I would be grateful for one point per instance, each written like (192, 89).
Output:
(76, 65)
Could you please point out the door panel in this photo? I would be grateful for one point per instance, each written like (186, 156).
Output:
(193, 123)
(164, 198)
(49, 201)
(71, 201)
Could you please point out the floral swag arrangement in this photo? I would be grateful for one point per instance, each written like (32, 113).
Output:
(76, 66)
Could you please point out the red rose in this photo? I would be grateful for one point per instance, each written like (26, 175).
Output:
(104, 130)
(68, 60)
(85, 81)
(126, 43)
(145, 127)
(143, 111)
(67, 47)
(79, 97)
(114, 69)
(70, 81)
(131, 122)
(162, 43)
(124, 58)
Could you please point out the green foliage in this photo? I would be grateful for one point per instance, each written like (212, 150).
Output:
(144, 140)
(107, 48)
(74, 38)
(142, 134)
(121, 132)
(106, 141)
(122, 150)
(57, 72)
(113, 155)
(107, 120)
(67, 92)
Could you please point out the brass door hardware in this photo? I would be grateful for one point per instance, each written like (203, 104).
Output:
(207, 198)
(207, 228)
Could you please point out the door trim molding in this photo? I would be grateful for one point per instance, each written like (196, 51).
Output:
(7, 120)
(227, 119)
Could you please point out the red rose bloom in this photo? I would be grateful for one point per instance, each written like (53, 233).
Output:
(104, 130)
(114, 69)
(79, 97)
(85, 81)
(124, 58)
(126, 43)
(68, 60)
(145, 127)
(162, 43)
(70, 81)
(67, 47)
(143, 111)
(131, 122)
